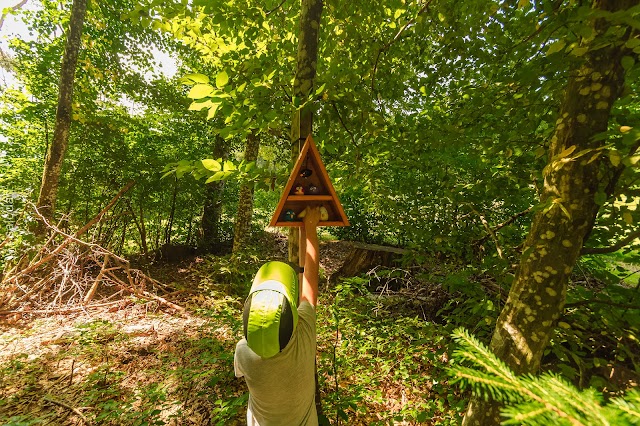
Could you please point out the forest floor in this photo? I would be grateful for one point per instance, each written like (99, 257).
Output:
(137, 362)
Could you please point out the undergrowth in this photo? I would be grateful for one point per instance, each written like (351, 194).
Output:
(383, 354)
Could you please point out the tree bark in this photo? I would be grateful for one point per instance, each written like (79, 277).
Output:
(362, 258)
(242, 228)
(55, 153)
(168, 230)
(537, 296)
(307, 59)
(302, 122)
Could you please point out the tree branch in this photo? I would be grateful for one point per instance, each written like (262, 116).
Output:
(395, 38)
(335, 107)
(602, 302)
(611, 249)
(496, 228)
(11, 9)
(276, 8)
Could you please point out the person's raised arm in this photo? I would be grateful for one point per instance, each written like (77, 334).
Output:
(310, 276)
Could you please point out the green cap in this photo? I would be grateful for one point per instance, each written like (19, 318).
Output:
(271, 309)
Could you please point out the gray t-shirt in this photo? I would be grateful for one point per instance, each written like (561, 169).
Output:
(282, 388)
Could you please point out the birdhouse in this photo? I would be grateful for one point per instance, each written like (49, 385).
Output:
(310, 175)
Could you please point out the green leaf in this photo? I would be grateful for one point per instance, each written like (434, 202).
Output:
(212, 110)
(631, 160)
(523, 4)
(197, 78)
(200, 91)
(627, 62)
(199, 105)
(222, 79)
(212, 165)
(600, 198)
(216, 177)
(228, 166)
(579, 51)
(632, 43)
(170, 172)
(615, 158)
(556, 47)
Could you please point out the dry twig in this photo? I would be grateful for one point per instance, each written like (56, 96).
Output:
(68, 407)
(61, 277)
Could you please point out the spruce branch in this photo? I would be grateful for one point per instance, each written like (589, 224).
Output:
(536, 400)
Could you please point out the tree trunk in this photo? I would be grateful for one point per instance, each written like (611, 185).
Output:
(245, 199)
(212, 211)
(143, 232)
(362, 258)
(140, 226)
(553, 245)
(301, 126)
(169, 228)
(55, 154)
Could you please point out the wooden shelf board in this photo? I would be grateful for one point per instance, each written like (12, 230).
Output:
(309, 198)
(300, 223)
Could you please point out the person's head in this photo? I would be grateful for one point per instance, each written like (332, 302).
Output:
(271, 309)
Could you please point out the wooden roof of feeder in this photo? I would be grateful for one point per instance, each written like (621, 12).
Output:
(308, 189)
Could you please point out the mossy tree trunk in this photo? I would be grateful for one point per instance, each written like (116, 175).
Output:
(242, 229)
(56, 151)
(307, 59)
(571, 181)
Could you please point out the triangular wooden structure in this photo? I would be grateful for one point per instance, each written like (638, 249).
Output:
(308, 189)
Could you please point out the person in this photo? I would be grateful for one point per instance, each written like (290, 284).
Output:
(277, 355)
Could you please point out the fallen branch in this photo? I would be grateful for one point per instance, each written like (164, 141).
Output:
(96, 282)
(61, 310)
(70, 238)
(68, 407)
(144, 294)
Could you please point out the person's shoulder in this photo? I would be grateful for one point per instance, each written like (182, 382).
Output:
(242, 345)
(307, 313)
(307, 308)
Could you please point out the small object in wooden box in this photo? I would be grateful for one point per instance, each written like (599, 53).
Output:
(289, 215)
